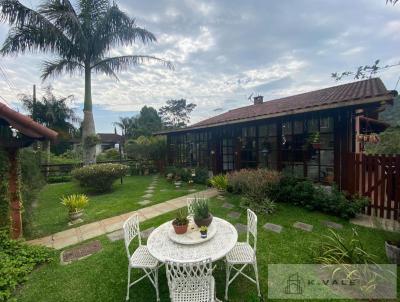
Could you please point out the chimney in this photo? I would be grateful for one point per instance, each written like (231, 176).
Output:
(258, 100)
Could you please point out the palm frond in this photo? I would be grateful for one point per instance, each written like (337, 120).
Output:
(117, 28)
(122, 63)
(105, 68)
(32, 38)
(59, 66)
(15, 13)
(63, 15)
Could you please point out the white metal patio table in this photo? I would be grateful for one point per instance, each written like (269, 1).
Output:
(163, 248)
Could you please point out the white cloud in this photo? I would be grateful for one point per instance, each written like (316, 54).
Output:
(352, 51)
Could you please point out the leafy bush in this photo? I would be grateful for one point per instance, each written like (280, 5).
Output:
(99, 177)
(110, 154)
(254, 184)
(267, 206)
(17, 260)
(75, 202)
(219, 182)
(58, 179)
(303, 192)
(200, 175)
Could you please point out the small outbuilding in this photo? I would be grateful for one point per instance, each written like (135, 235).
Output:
(18, 131)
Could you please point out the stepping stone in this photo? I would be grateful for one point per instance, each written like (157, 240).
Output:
(221, 197)
(80, 252)
(163, 190)
(273, 227)
(234, 214)
(115, 236)
(227, 205)
(146, 233)
(149, 191)
(150, 188)
(333, 225)
(303, 226)
(148, 195)
(192, 190)
(144, 202)
(241, 228)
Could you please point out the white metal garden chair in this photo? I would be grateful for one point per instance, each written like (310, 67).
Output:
(243, 254)
(191, 281)
(140, 258)
(190, 204)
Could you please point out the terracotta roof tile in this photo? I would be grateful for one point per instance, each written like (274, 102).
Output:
(365, 89)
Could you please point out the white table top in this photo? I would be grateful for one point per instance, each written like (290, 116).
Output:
(163, 248)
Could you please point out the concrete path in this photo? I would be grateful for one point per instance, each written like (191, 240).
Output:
(84, 232)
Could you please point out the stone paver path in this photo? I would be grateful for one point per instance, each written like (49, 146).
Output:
(333, 225)
(303, 226)
(234, 214)
(273, 227)
(241, 228)
(76, 235)
(146, 233)
(227, 205)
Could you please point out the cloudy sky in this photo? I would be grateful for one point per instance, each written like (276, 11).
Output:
(224, 50)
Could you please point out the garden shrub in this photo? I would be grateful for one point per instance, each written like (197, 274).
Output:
(4, 215)
(108, 155)
(255, 184)
(17, 260)
(99, 177)
(185, 174)
(303, 192)
(58, 179)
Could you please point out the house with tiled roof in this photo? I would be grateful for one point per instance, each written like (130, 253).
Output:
(307, 134)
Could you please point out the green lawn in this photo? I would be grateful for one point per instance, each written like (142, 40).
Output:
(51, 216)
(102, 277)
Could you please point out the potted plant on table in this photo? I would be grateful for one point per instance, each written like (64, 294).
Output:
(75, 204)
(201, 213)
(181, 222)
(203, 231)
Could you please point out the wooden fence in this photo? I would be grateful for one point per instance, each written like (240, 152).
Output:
(377, 177)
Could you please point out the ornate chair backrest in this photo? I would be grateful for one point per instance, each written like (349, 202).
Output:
(190, 201)
(131, 231)
(252, 227)
(190, 281)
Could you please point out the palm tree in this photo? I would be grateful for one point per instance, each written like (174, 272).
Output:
(81, 36)
(127, 125)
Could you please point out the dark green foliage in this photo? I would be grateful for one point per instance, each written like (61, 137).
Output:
(175, 114)
(4, 216)
(389, 142)
(200, 209)
(186, 174)
(17, 260)
(147, 148)
(303, 192)
(58, 179)
(148, 121)
(110, 154)
(99, 177)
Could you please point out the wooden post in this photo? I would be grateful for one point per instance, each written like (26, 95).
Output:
(14, 193)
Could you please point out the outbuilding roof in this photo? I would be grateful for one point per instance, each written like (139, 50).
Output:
(25, 124)
(365, 91)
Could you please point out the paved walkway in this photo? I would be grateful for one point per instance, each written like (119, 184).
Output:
(84, 232)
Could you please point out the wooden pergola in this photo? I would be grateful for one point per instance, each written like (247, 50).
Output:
(18, 131)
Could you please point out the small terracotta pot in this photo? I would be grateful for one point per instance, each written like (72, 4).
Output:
(180, 229)
(316, 146)
(203, 222)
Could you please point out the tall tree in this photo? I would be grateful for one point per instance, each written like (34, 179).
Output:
(176, 113)
(51, 111)
(148, 121)
(81, 37)
(127, 125)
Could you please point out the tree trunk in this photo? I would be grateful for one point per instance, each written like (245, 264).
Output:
(88, 127)
(14, 193)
